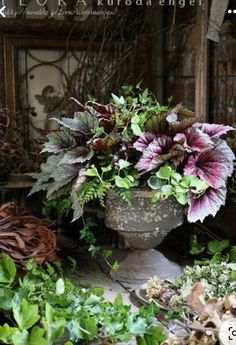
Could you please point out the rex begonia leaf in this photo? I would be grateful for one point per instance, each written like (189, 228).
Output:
(83, 122)
(59, 141)
(143, 141)
(149, 159)
(46, 171)
(105, 113)
(207, 204)
(65, 173)
(157, 123)
(103, 144)
(194, 140)
(213, 166)
(76, 206)
(81, 178)
(57, 191)
(62, 176)
(214, 130)
(176, 155)
(79, 154)
(180, 118)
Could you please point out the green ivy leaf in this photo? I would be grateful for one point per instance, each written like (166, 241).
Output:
(98, 132)
(20, 338)
(136, 129)
(156, 183)
(107, 253)
(123, 164)
(6, 297)
(25, 314)
(91, 172)
(6, 333)
(7, 269)
(137, 327)
(217, 246)
(84, 327)
(37, 337)
(158, 333)
(60, 286)
(199, 185)
(94, 249)
(196, 248)
(181, 198)
(176, 176)
(123, 182)
(54, 325)
(167, 189)
(115, 266)
(155, 197)
(232, 254)
(106, 169)
(164, 172)
(185, 182)
(118, 100)
(118, 301)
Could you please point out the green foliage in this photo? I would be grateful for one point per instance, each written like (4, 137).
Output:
(61, 206)
(217, 279)
(25, 314)
(47, 306)
(196, 248)
(125, 194)
(232, 254)
(169, 182)
(81, 165)
(178, 314)
(216, 246)
(94, 189)
(215, 249)
(7, 269)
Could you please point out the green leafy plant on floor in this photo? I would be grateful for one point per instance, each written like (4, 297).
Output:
(217, 250)
(43, 307)
(217, 279)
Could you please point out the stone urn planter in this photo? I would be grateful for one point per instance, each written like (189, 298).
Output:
(143, 225)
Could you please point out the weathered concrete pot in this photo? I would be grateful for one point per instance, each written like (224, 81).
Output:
(143, 225)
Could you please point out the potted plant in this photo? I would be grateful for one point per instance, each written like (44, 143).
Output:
(146, 161)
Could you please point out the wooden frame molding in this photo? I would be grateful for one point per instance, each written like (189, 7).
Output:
(202, 64)
(11, 45)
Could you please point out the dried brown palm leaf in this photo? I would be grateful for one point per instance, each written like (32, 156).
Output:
(23, 236)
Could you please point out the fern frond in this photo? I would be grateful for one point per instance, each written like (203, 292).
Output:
(125, 194)
(102, 191)
(94, 189)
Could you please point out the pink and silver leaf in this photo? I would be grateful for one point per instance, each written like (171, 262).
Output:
(143, 141)
(213, 166)
(207, 204)
(214, 130)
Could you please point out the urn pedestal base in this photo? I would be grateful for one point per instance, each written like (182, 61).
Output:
(143, 225)
(140, 265)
